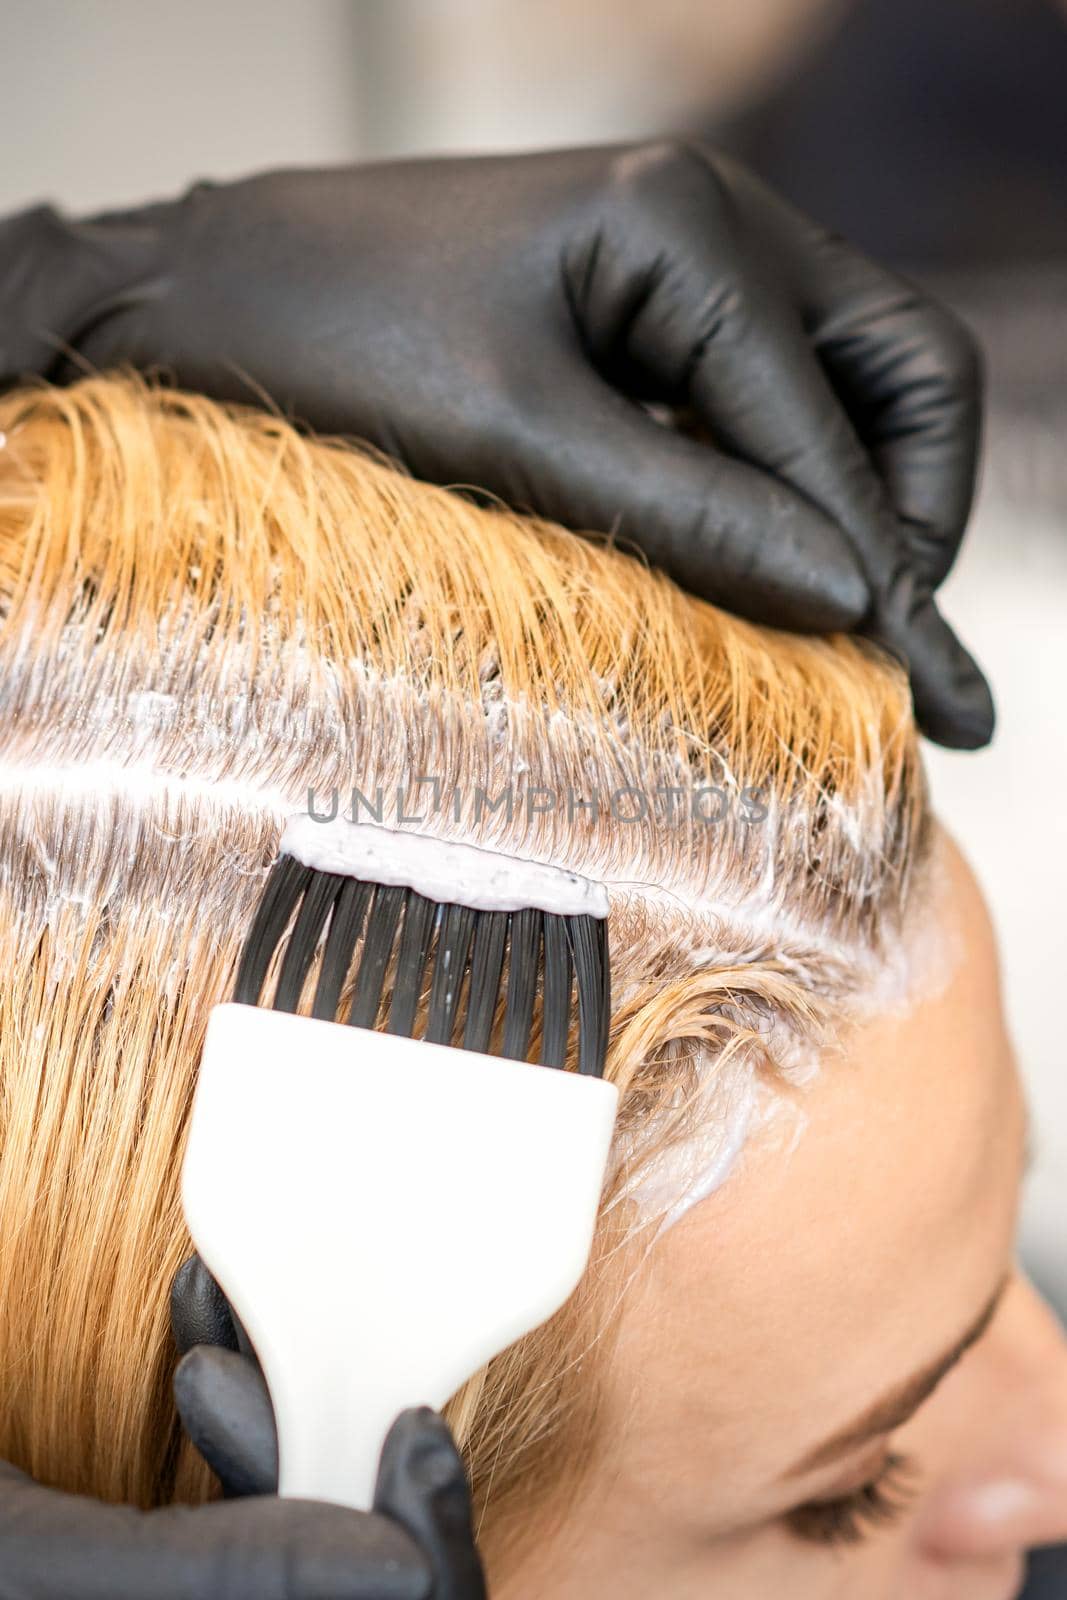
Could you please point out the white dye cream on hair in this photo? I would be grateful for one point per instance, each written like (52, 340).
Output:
(441, 869)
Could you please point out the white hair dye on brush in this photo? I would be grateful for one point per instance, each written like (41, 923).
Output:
(440, 869)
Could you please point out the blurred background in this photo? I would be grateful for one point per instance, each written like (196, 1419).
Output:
(934, 135)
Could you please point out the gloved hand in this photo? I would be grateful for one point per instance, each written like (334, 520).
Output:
(416, 1544)
(224, 1404)
(493, 321)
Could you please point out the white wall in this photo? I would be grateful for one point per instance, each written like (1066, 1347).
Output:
(108, 101)
(1008, 805)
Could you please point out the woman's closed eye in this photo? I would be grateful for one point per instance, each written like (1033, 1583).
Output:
(848, 1518)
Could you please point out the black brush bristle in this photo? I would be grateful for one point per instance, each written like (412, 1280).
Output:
(556, 1026)
(420, 917)
(588, 940)
(524, 958)
(600, 927)
(557, 954)
(315, 908)
(450, 961)
(382, 924)
(286, 883)
(346, 925)
(487, 963)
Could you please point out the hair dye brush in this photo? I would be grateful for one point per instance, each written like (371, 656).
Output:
(427, 1200)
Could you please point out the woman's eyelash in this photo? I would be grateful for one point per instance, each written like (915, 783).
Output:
(847, 1519)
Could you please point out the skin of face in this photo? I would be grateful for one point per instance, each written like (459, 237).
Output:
(813, 1283)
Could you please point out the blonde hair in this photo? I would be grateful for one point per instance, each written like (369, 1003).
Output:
(205, 615)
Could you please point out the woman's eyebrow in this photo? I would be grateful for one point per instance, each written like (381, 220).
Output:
(894, 1408)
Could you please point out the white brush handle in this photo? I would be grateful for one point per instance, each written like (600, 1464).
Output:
(384, 1215)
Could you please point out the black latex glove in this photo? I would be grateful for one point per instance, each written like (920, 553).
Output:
(416, 1545)
(493, 321)
(226, 1410)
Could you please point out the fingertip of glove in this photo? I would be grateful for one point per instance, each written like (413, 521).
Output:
(195, 1372)
(226, 1411)
(420, 1447)
(807, 577)
(199, 1311)
(952, 700)
(796, 589)
(839, 608)
(961, 721)
(422, 1485)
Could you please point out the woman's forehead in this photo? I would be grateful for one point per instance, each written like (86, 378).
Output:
(821, 1272)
